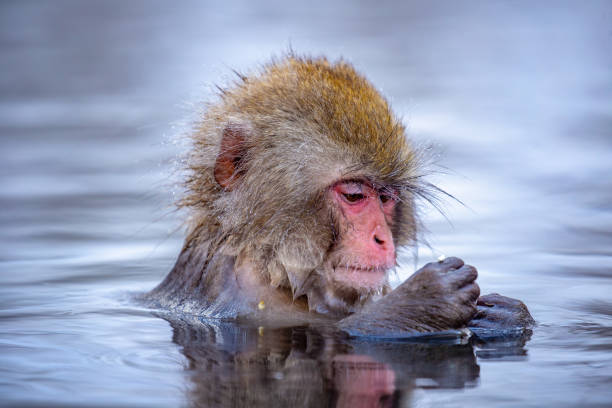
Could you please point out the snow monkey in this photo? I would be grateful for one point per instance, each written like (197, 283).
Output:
(301, 187)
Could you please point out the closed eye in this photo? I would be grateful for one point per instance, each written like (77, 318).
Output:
(387, 197)
(353, 198)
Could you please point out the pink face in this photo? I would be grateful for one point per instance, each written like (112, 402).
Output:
(366, 247)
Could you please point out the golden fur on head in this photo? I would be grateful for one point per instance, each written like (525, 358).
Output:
(307, 124)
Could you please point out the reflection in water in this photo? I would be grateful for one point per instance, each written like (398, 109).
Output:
(516, 96)
(234, 365)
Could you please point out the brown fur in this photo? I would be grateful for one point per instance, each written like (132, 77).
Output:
(263, 158)
(310, 123)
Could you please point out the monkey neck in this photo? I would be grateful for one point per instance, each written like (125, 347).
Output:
(315, 295)
(255, 285)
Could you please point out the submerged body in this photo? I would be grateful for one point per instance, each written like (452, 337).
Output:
(302, 186)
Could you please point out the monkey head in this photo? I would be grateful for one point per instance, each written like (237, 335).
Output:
(304, 172)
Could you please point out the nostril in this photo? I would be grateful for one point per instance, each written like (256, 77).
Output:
(378, 240)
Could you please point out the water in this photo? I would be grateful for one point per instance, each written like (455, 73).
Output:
(94, 97)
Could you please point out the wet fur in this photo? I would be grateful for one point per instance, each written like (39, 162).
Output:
(283, 136)
(310, 123)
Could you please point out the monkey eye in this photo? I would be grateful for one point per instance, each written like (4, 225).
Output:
(353, 198)
(387, 197)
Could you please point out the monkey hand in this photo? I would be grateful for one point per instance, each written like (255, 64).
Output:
(440, 296)
(500, 312)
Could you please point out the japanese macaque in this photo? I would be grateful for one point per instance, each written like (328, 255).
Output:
(301, 188)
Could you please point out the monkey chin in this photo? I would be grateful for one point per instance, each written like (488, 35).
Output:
(360, 278)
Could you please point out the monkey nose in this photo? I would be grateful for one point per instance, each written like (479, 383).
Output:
(383, 241)
(378, 240)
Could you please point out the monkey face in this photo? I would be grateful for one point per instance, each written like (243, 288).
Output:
(365, 249)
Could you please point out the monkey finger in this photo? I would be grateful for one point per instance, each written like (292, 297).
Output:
(480, 313)
(489, 318)
(467, 312)
(463, 276)
(470, 293)
(440, 267)
(498, 307)
(448, 264)
(495, 299)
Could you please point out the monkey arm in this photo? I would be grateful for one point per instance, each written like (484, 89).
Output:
(440, 296)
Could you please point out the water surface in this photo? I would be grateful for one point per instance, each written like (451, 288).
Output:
(95, 98)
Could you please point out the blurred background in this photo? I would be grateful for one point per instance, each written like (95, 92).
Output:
(96, 98)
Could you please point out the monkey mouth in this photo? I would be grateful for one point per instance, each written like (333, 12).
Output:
(361, 268)
(360, 276)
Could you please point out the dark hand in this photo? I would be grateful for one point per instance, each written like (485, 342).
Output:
(439, 296)
(449, 291)
(500, 312)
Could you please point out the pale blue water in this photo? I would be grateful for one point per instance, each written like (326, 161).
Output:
(94, 98)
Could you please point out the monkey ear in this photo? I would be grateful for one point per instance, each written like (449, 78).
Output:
(228, 165)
